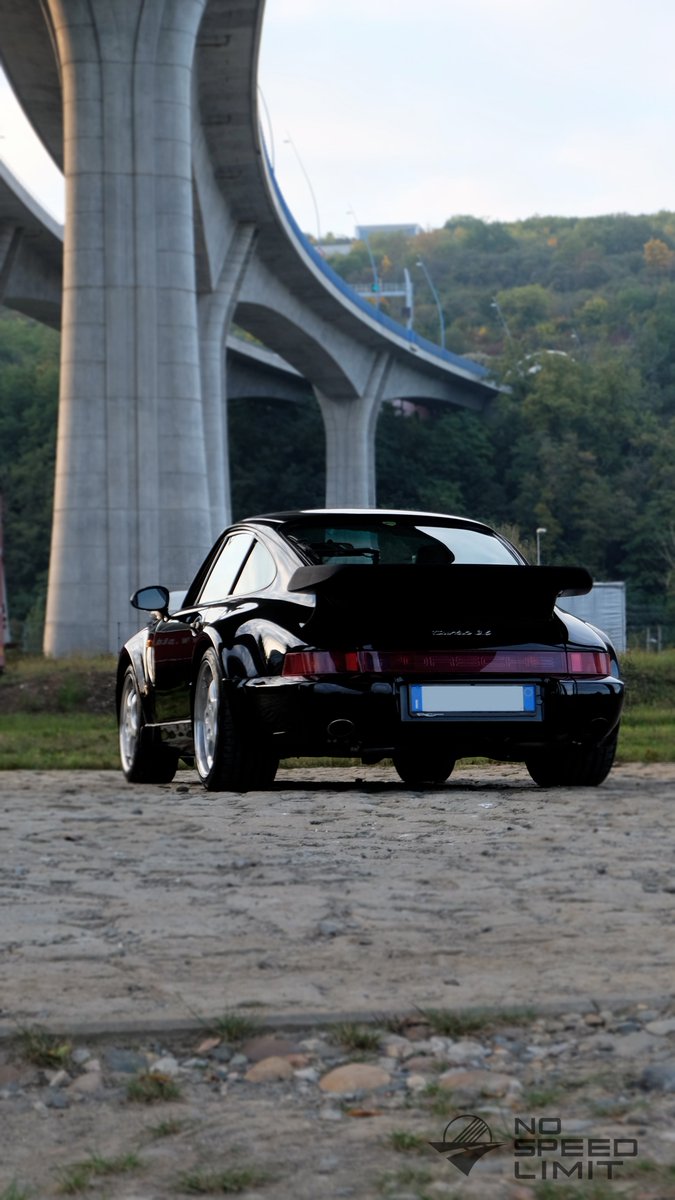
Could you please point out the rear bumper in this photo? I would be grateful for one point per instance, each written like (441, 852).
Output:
(308, 717)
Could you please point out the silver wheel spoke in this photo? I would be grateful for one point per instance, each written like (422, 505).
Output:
(206, 719)
(130, 724)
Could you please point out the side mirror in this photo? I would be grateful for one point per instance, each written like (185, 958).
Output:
(151, 599)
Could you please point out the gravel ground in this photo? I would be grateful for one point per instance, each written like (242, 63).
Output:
(138, 911)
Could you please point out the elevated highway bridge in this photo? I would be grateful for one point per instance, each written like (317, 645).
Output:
(175, 228)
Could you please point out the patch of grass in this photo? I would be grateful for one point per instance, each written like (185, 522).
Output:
(43, 1049)
(77, 1177)
(641, 1168)
(235, 1027)
(113, 1166)
(53, 742)
(164, 1129)
(356, 1037)
(535, 1098)
(435, 1099)
(647, 734)
(405, 1142)
(227, 1181)
(457, 1023)
(152, 1088)
(74, 1179)
(649, 678)
(15, 1191)
(405, 1179)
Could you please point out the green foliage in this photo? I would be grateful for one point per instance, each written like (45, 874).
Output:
(277, 456)
(29, 369)
(223, 1181)
(150, 1087)
(15, 1191)
(583, 335)
(77, 1177)
(42, 1048)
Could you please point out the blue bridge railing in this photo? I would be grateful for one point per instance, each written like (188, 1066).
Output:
(409, 335)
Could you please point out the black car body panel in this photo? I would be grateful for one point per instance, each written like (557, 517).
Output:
(371, 634)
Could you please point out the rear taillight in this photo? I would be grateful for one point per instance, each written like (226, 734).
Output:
(588, 662)
(470, 662)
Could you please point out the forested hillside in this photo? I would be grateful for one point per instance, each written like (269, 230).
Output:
(577, 318)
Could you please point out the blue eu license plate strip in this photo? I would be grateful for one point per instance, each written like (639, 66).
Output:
(497, 699)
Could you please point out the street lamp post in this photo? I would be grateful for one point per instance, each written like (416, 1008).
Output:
(373, 266)
(288, 141)
(441, 320)
(495, 304)
(540, 530)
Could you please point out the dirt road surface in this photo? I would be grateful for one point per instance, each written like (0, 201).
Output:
(136, 909)
(337, 891)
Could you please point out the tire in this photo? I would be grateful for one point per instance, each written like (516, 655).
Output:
(578, 766)
(143, 761)
(228, 755)
(417, 767)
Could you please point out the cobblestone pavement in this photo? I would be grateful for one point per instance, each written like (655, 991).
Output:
(136, 910)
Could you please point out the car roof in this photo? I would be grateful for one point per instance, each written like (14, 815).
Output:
(292, 515)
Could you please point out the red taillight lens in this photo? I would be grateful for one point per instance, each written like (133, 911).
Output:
(323, 662)
(588, 662)
(460, 662)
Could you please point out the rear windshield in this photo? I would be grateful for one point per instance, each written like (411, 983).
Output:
(395, 541)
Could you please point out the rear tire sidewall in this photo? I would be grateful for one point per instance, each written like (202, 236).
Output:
(209, 715)
(419, 767)
(142, 761)
(231, 753)
(578, 766)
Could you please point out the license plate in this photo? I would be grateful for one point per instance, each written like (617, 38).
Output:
(467, 699)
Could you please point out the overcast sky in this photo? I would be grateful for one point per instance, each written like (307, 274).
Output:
(415, 111)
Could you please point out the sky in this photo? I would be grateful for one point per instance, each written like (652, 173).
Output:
(388, 111)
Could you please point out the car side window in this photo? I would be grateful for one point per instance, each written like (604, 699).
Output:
(226, 568)
(258, 573)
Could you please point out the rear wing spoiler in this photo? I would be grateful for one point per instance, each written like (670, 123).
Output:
(365, 601)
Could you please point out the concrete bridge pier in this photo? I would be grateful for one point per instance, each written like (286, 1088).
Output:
(215, 315)
(131, 497)
(350, 441)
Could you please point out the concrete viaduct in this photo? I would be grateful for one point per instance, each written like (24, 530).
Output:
(174, 228)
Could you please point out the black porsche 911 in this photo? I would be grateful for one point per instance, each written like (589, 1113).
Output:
(412, 636)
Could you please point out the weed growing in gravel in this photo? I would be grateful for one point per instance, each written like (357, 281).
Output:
(356, 1037)
(235, 1027)
(404, 1180)
(42, 1048)
(150, 1088)
(451, 1023)
(407, 1143)
(78, 1176)
(228, 1181)
(14, 1191)
(164, 1129)
(434, 1099)
(534, 1099)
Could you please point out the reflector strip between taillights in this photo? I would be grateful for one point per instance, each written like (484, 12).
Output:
(593, 663)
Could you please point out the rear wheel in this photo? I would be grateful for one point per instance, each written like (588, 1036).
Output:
(418, 767)
(229, 757)
(143, 761)
(577, 766)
